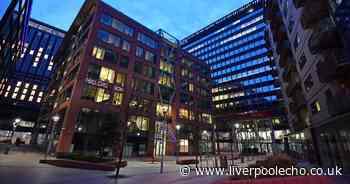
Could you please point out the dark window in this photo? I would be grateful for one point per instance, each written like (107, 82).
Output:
(124, 62)
(138, 68)
(89, 92)
(94, 71)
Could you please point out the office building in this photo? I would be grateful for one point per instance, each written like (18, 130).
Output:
(246, 93)
(117, 73)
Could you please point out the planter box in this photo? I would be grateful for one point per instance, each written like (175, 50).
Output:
(84, 165)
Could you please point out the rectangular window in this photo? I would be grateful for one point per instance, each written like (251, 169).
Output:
(98, 53)
(107, 75)
(190, 87)
(116, 24)
(149, 56)
(163, 109)
(117, 98)
(183, 145)
(94, 71)
(183, 113)
(126, 46)
(108, 38)
(124, 62)
(120, 79)
(147, 40)
(138, 123)
(102, 95)
(166, 67)
(139, 51)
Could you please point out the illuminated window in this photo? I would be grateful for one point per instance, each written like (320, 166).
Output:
(38, 100)
(184, 72)
(120, 79)
(19, 83)
(136, 123)
(186, 114)
(276, 121)
(23, 97)
(16, 89)
(14, 95)
(107, 74)
(102, 95)
(98, 53)
(206, 118)
(167, 67)
(163, 108)
(183, 145)
(118, 98)
(165, 80)
(190, 87)
(30, 98)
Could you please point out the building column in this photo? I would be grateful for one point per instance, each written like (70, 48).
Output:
(67, 131)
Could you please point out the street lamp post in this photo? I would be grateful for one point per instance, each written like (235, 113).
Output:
(14, 126)
(178, 127)
(164, 132)
(54, 119)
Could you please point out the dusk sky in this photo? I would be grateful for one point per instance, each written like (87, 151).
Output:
(178, 17)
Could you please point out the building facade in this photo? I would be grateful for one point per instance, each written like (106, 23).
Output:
(117, 73)
(311, 44)
(24, 86)
(246, 90)
(13, 29)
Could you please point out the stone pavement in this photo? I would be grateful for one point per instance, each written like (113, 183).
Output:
(18, 168)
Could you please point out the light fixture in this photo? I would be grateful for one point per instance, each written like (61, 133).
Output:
(178, 127)
(55, 118)
(17, 120)
(138, 134)
(236, 125)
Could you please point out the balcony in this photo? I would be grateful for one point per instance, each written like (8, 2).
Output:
(326, 70)
(325, 36)
(299, 3)
(313, 12)
(336, 66)
(337, 106)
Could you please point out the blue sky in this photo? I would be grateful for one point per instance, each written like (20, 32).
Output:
(178, 17)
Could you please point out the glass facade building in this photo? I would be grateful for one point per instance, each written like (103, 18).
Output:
(246, 85)
(23, 87)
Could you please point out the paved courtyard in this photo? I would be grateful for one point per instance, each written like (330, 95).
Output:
(18, 168)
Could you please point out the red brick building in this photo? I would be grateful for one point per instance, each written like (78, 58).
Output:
(113, 69)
